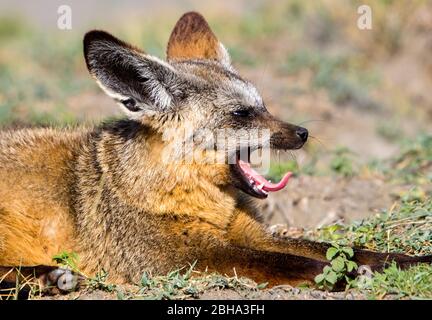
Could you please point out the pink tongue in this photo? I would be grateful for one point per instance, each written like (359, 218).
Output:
(259, 179)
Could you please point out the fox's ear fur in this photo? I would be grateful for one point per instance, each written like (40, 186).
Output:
(192, 39)
(142, 84)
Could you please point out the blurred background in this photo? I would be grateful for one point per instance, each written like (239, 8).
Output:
(365, 95)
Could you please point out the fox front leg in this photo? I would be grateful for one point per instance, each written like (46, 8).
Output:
(47, 279)
(247, 232)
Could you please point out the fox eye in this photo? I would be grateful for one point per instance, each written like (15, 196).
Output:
(243, 113)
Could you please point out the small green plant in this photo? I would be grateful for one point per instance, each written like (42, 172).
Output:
(339, 268)
(99, 282)
(413, 165)
(415, 162)
(332, 233)
(415, 283)
(404, 228)
(389, 131)
(342, 163)
(179, 284)
(174, 284)
(67, 260)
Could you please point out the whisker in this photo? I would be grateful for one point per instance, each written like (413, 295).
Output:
(279, 162)
(260, 79)
(293, 157)
(320, 142)
(312, 120)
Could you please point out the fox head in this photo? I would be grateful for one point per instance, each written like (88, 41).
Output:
(196, 87)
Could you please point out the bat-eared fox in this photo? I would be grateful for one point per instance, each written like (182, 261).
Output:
(126, 196)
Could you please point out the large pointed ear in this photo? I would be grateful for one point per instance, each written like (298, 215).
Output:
(192, 39)
(142, 84)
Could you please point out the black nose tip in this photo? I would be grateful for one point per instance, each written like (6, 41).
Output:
(302, 133)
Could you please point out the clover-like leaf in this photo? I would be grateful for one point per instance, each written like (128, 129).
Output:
(331, 277)
(351, 265)
(349, 251)
(319, 278)
(327, 269)
(338, 264)
(331, 252)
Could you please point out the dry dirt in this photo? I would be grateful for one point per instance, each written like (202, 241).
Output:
(279, 293)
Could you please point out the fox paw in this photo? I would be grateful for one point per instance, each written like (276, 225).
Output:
(365, 271)
(60, 280)
(282, 231)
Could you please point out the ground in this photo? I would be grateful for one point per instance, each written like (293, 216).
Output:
(364, 177)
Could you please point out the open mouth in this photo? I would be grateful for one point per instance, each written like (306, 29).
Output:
(255, 184)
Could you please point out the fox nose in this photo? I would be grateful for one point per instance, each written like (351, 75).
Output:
(302, 133)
